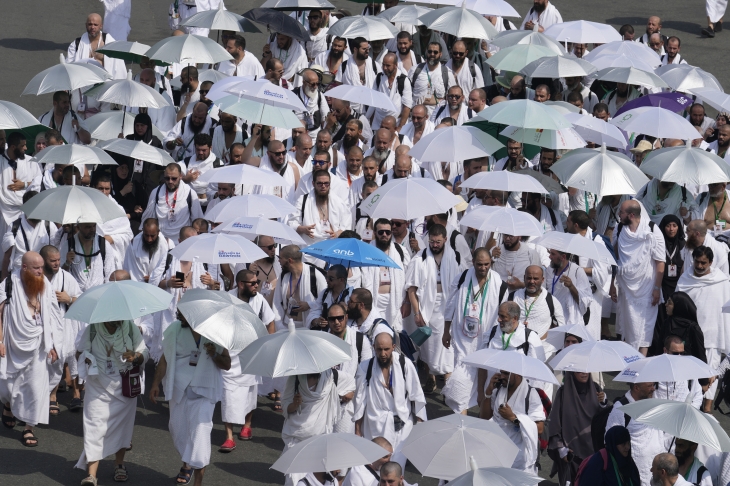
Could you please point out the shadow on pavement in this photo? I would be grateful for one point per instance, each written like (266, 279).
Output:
(32, 44)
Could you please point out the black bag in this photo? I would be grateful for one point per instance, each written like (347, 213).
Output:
(598, 424)
(723, 390)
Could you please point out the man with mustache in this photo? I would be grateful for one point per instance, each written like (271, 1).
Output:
(146, 256)
(31, 336)
(87, 256)
(180, 138)
(17, 174)
(333, 58)
(543, 14)
(419, 125)
(315, 104)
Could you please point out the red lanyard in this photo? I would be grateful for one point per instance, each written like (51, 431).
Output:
(174, 200)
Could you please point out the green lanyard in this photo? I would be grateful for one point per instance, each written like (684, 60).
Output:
(686, 475)
(619, 477)
(469, 294)
(724, 198)
(585, 198)
(505, 346)
(527, 311)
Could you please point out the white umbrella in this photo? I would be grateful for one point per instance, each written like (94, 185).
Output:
(460, 22)
(264, 91)
(583, 32)
(73, 154)
(71, 205)
(409, 199)
(713, 97)
(683, 77)
(243, 174)
(298, 4)
(515, 58)
(217, 248)
(264, 205)
(329, 452)
(221, 317)
(212, 75)
(504, 220)
(108, 125)
(454, 143)
(562, 107)
(442, 448)
(123, 300)
(681, 420)
(138, 150)
(592, 356)
(367, 26)
(517, 363)
(220, 19)
(13, 116)
(490, 7)
(503, 180)
(219, 89)
(253, 226)
(621, 61)
(362, 95)
(575, 244)
(657, 122)
(188, 49)
(636, 50)
(495, 476)
(631, 75)
(513, 37)
(595, 130)
(558, 67)
(65, 77)
(259, 112)
(407, 14)
(564, 139)
(294, 351)
(686, 165)
(524, 114)
(556, 335)
(128, 93)
(665, 367)
(550, 184)
(599, 171)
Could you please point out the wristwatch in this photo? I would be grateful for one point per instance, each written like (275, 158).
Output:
(516, 422)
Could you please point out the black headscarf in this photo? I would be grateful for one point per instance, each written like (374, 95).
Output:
(621, 471)
(673, 256)
(679, 240)
(684, 307)
(575, 406)
(145, 119)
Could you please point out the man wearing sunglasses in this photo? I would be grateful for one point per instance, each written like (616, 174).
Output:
(419, 125)
(278, 159)
(321, 161)
(267, 269)
(336, 292)
(467, 75)
(678, 390)
(320, 213)
(453, 107)
(336, 324)
(431, 79)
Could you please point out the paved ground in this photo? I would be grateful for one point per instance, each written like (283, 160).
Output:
(34, 33)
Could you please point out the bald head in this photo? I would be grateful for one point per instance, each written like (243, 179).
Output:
(384, 339)
(697, 225)
(119, 275)
(94, 17)
(498, 99)
(630, 210)
(388, 123)
(178, 33)
(186, 232)
(402, 150)
(275, 146)
(303, 140)
(384, 443)
(200, 109)
(384, 134)
(32, 258)
(672, 142)
(94, 25)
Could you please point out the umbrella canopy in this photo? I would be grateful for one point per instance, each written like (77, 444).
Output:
(294, 352)
(503, 180)
(367, 26)
(363, 95)
(504, 220)
(221, 317)
(212, 75)
(128, 93)
(590, 356)
(243, 174)
(599, 171)
(524, 114)
(407, 14)
(595, 130)
(583, 32)
(565, 139)
(329, 452)
(460, 22)
(125, 300)
(442, 447)
(683, 77)
(510, 38)
(556, 335)
(681, 420)
(13, 116)
(516, 57)
(253, 226)
(558, 67)
(454, 143)
(298, 5)
(686, 165)
(491, 7)
(621, 61)
(71, 205)
(495, 476)
(220, 19)
(189, 49)
(674, 101)
(108, 125)
(575, 244)
(263, 205)
(73, 154)
(65, 77)
(713, 97)
(562, 107)
(517, 363)
(219, 89)
(409, 199)
(550, 184)
(350, 252)
(264, 91)
(138, 150)
(665, 367)
(259, 112)
(635, 50)
(631, 75)
(656, 122)
(128, 51)
(218, 248)
(278, 22)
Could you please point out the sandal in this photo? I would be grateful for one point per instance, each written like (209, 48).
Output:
(430, 386)
(185, 475)
(76, 405)
(28, 438)
(120, 473)
(9, 421)
(89, 481)
(277, 406)
(271, 396)
(228, 446)
(54, 409)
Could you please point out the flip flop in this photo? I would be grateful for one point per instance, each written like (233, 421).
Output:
(228, 446)
(120, 474)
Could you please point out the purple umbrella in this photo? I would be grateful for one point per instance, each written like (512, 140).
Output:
(670, 101)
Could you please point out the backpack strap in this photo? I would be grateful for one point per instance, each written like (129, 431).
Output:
(384, 180)
(445, 76)
(377, 81)
(505, 23)
(551, 307)
(401, 85)
(168, 262)
(186, 161)
(304, 204)
(703, 196)
(335, 376)
(502, 290)
(374, 66)
(359, 337)
(102, 250)
(700, 472)
(473, 71)
(492, 333)
(399, 250)
(8, 288)
(623, 401)
(440, 110)
(417, 72)
(313, 279)
(217, 163)
(511, 296)
(526, 345)
(462, 278)
(369, 372)
(452, 242)
(553, 219)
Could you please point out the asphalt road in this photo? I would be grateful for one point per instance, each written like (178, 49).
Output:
(34, 33)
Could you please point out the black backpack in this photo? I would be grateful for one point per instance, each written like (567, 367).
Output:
(723, 394)
(18, 226)
(441, 109)
(102, 250)
(525, 347)
(599, 421)
(400, 83)
(550, 303)
(77, 41)
(216, 163)
(502, 288)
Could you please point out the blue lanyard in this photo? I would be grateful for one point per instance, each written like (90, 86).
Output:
(556, 277)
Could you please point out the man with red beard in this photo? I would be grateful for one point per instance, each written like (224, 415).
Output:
(31, 336)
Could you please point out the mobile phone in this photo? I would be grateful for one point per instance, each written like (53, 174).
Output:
(180, 276)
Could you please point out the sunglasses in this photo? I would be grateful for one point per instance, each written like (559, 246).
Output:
(453, 96)
(433, 52)
(384, 232)
(270, 247)
(335, 318)
(319, 162)
(678, 353)
(171, 179)
(457, 53)
(398, 224)
(278, 154)
(322, 184)
(204, 91)
(255, 282)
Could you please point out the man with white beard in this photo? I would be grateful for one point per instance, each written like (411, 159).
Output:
(381, 150)
(470, 310)
(369, 474)
(428, 280)
(27, 235)
(31, 335)
(394, 402)
(315, 104)
(452, 107)
(147, 255)
(88, 257)
(697, 235)
(117, 232)
(707, 287)
(291, 54)
(239, 390)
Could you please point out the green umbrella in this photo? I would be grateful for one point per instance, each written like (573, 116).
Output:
(494, 129)
(515, 58)
(259, 112)
(133, 52)
(524, 114)
(118, 301)
(30, 134)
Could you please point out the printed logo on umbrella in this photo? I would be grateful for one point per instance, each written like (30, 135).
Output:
(374, 199)
(343, 252)
(275, 95)
(628, 372)
(228, 254)
(631, 359)
(243, 225)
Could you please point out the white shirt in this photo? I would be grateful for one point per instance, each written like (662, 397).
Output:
(548, 17)
(249, 66)
(430, 83)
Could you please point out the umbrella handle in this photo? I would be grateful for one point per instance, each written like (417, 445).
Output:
(124, 115)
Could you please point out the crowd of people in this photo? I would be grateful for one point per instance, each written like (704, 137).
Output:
(473, 289)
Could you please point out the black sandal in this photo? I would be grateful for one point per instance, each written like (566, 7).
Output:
(184, 476)
(277, 406)
(9, 421)
(28, 437)
(54, 409)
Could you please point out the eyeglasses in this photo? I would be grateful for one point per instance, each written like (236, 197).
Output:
(171, 179)
(255, 282)
(354, 302)
(398, 224)
(322, 184)
(433, 52)
(335, 318)
(203, 91)
(457, 53)
(678, 353)
(319, 162)
(384, 232)
(278, 154)
(453, 96)
(270, 247)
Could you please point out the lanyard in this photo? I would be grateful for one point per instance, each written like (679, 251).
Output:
(673, 252)
(689, 469)
(291, 289)
(174, 200)
(528, 311)
(619, 476)
(483, 293)
(505, 346)
(724, 199)
(556, 278)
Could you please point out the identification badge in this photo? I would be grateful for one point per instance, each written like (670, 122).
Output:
(471, 326)
(81, 107)
(109, 367)
(672, 271)
(474, 310)
(384, 276)
(37, 319)
(265, 289)
(293, 308)
(194, 357)
(171, 217)
(720, 225)
(138, 165)
(367, 235)
(658, 209)
(277, 191)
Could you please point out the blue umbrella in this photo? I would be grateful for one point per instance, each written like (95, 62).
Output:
(675, 102)
(349, 252)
